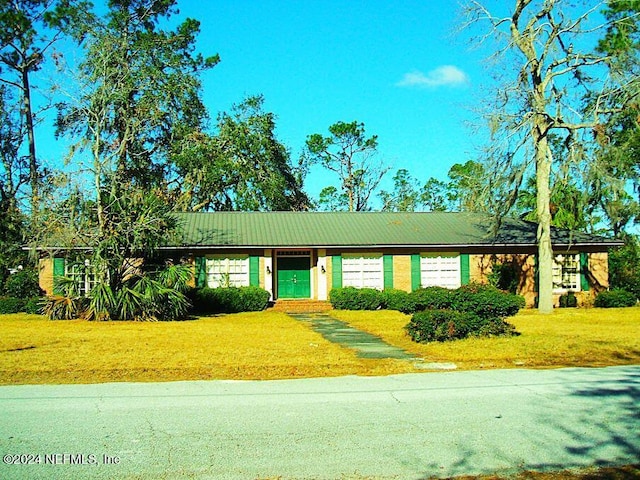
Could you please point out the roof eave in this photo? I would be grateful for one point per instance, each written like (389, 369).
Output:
(407, 245)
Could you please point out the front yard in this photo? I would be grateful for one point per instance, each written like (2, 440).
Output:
(271, 345)
(567, 338)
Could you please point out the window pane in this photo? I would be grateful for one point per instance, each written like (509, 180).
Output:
(227, 272)
(363, 271)
(440, 271)
(83, 276)
(566, 272)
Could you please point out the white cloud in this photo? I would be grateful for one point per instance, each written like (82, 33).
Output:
(444, 76)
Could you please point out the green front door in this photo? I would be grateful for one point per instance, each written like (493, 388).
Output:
(294, 277)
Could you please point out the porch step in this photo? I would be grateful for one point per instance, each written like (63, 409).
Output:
(301, 306)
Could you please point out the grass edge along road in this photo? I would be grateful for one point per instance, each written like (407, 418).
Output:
(271, 345)
(624, 472)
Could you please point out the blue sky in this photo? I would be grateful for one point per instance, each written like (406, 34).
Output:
(394, 65)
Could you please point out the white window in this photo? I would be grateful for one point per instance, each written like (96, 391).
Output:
(566, 272)
(228, 271)
(363, 271)
(440, 270)
(83, 276)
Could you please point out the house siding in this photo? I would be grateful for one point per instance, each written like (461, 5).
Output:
(593, 280)
(402, 272)
(481, 266)
(45, 275)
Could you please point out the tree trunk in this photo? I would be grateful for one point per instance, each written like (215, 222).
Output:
(33, 162)
(545, 249)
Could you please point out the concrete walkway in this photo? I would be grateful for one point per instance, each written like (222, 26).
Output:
(365, 344)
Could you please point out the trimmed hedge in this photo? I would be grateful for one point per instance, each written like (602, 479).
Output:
(471, 310)
(393, 299)
(20, 305)
(351, 298)
(229, 300)
(446, 325)
(486, 301)
(430, 298)
(615, 298)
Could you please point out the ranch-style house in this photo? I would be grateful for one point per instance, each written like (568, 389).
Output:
(303, 255)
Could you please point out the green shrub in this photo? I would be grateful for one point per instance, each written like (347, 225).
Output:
(471, 310)
(440, 325)
(495, 327)
(505, 276)
(399, 300)
(624, 266)
(11, 305)
(568, 300)
(20, 305)
(33, 305)
(23, 284)
(351, 298)
(430, 298)
(229, 300)
(446, 325)
(254, 299)
(615, 298)
(486, 301)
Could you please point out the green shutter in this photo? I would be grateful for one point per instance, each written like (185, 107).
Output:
(201, 272)
(416, 276)
(387, 261)
(336, 271)
(465, 275)
(254, 271)
(584, 271)
(58, 271)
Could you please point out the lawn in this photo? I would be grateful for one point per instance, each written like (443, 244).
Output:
(264, 345)
(567, 337)
(272, 345)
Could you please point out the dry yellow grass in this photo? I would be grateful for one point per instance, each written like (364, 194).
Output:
(271, 345)
(625, 472)
(265, 345)
(568, 337)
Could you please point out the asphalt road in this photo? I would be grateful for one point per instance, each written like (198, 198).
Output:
(404, 426)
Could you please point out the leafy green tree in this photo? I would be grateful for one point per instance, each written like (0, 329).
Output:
(435, 196)
(137, 94)
(331, 200)
(615, 173)
(569, 205)
(624, 266)
(28, 30)
(405, 197)
(11, 230)
(21, 54)
(14, 173)
(139, 89)
(129, 282)
(243, 167)
(544, 45)
(348, 153)
(467, 182)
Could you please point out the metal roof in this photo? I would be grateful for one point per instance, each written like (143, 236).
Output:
(363, 229)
